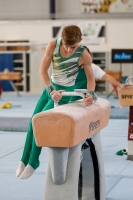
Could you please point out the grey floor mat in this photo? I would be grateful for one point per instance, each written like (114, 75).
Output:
(119, 112)
(14, 123)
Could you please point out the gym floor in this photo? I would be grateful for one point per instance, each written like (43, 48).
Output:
(13, 126)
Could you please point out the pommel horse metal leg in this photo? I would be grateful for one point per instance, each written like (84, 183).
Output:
(58, 163)
(64, 129)
(92, 175)
(67, 174)
(69, 189)
(98, 147)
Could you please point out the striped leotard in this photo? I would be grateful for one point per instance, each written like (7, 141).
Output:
(65, 70)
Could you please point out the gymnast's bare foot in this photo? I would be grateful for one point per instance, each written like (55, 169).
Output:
(20, 169)
(28, 171)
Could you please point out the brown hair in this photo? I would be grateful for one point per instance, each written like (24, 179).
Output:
(71, 34)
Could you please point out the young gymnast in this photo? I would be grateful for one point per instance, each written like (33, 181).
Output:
(67, 56)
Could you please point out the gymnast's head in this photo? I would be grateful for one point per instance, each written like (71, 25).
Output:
(71, 37)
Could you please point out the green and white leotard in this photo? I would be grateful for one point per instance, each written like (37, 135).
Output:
(65, 70)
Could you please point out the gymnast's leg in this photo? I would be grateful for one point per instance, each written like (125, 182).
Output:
(33, 160)
(31, 151)
(29, 139)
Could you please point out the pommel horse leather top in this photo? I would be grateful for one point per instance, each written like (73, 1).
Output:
(67, 125)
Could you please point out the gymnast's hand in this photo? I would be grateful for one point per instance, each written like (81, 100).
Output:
(88, 100)
(56, 96)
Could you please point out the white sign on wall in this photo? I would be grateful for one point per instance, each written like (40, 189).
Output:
(106, 6)
(91, 6)
(93, 32)
(121, 6)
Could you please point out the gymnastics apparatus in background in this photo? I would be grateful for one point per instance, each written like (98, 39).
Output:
(126, 99)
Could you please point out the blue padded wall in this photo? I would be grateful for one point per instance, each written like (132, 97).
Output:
(6, 61)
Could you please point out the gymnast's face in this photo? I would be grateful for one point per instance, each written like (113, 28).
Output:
(70, 48)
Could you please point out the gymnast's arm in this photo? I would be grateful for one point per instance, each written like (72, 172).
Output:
(85, 61)
(46, 61)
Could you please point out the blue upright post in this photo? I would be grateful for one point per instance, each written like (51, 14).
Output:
(52, 8)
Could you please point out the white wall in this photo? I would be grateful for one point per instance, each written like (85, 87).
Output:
(34, 31)
(119, 33)
(24, 9)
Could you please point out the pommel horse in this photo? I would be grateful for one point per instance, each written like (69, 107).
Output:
(64, 129)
